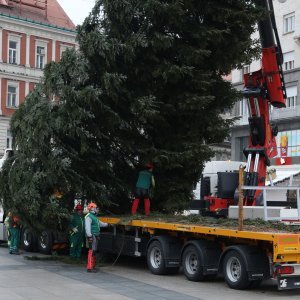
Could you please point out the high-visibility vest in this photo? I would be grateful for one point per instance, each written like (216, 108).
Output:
(95, 228)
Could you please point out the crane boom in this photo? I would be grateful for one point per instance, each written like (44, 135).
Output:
(262, 89)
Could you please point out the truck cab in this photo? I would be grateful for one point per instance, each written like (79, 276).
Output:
(215, 191)
(210, 176)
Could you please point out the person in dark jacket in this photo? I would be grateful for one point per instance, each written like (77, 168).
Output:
(76, 227)
(144, 183)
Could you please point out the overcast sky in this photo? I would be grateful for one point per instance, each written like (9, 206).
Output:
(77, 10)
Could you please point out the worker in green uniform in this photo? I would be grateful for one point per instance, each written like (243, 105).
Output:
(76, 227)
(14, 231)
(144, 183)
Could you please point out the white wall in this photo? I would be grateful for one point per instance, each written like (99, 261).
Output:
(4, 125)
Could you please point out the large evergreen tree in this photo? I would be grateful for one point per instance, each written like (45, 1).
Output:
(147, 85)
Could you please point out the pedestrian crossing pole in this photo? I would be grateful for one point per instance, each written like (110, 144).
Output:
(241, 198)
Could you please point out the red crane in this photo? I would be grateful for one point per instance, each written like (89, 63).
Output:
(263, 89)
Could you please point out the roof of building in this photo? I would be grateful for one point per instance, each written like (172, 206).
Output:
(48, 12)
(285, 175)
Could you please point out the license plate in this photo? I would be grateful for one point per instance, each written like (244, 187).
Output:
(288, 283)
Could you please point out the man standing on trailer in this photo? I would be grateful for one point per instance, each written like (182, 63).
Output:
(76, 226)
(92, 231)
(144, 183)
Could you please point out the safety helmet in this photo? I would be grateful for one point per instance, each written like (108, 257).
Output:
(91, 205)
(149, 165)
(78, 207)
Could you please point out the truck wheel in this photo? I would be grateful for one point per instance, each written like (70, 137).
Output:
(155, 259)
(28, 240)
(45, 242)
(234, 270)
(191, 263)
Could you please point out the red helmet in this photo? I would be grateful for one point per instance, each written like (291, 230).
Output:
(149, 165)
(78, 207)
(91, 205)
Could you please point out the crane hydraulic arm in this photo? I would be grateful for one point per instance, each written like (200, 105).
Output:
(263, 89)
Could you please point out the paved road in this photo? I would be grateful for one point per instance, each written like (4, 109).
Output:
(129, 279)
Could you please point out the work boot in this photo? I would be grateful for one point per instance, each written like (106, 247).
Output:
(92, 270)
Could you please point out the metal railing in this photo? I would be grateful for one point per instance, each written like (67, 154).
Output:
(276, 114)
(265, 200)
(285, 113)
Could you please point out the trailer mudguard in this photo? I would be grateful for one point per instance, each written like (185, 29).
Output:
(171, 248)
(210, 253)
(256, 261)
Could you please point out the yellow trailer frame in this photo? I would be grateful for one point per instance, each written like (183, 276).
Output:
(286, 246)
(245, 257)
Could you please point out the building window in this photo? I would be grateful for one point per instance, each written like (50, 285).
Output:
(288, 60)
(40, 56)
(291, 100)
(8, 139)
(245, 70)
(243, 143)
(243, 107)
(289, 23)
(288, 143)
(63, 48)
(12, 95)
(13, 52)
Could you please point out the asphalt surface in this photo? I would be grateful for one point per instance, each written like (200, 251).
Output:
(128, 279)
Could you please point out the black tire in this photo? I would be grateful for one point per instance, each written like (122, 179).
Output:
(191, 263)
(28, 240)
(234, 271)
(156, 259)
(45, 242)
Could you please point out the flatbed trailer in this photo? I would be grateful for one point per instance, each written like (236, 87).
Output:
(244, 258)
